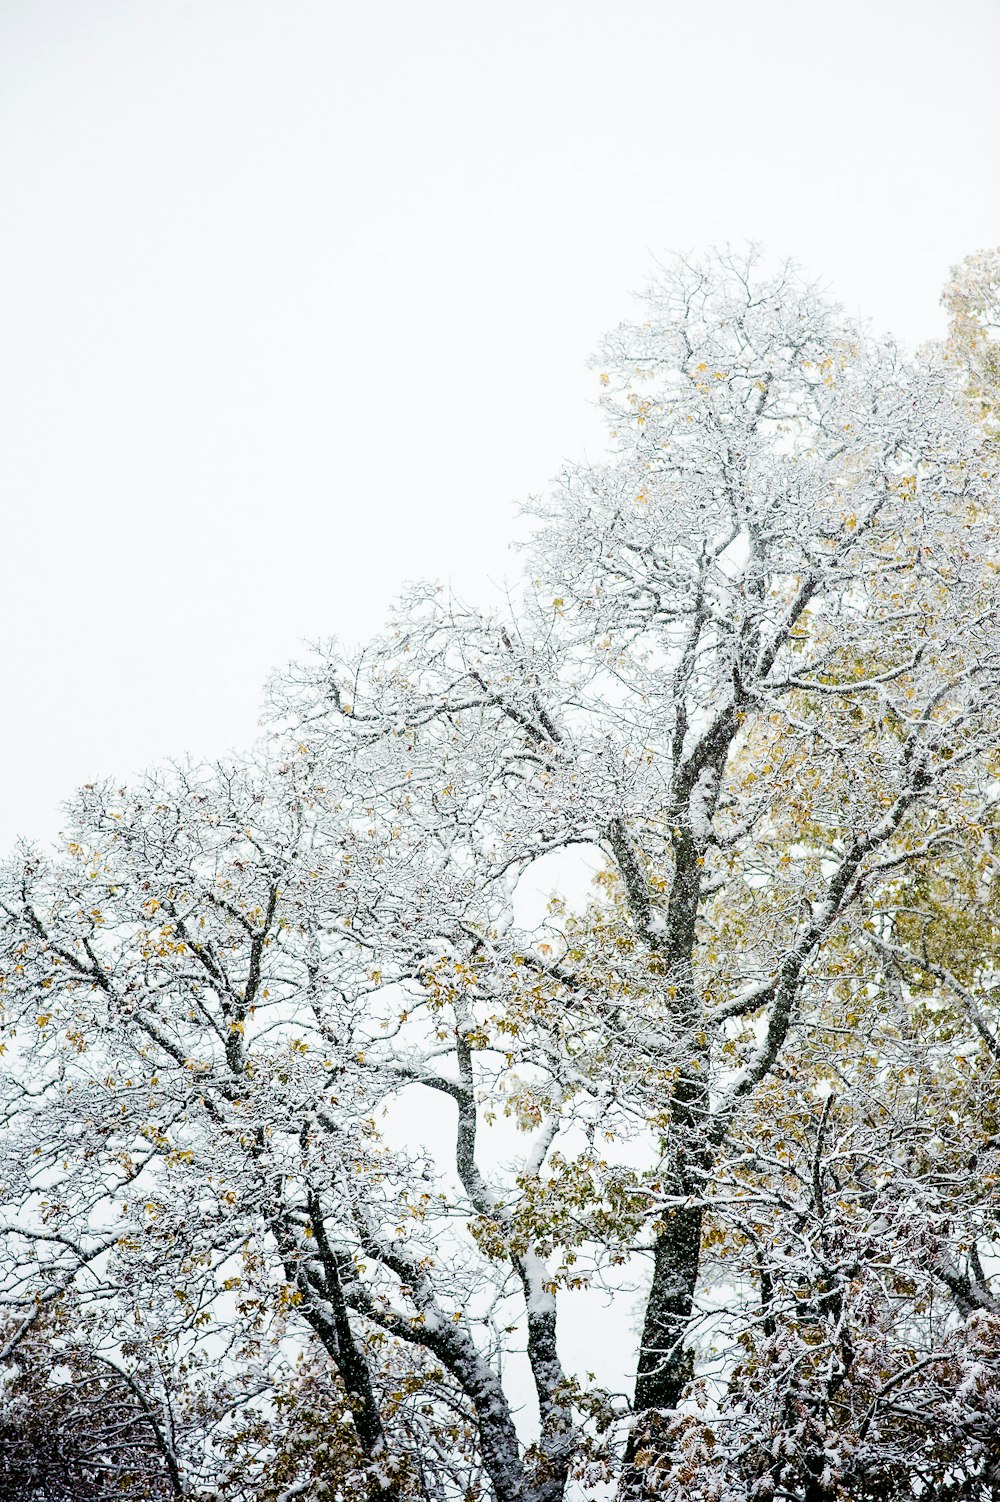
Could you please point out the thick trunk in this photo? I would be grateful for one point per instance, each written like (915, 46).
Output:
(666, 1362)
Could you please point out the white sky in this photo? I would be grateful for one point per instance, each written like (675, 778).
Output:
(297, 297)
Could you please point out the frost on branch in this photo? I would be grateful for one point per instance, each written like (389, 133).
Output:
(299, 1088)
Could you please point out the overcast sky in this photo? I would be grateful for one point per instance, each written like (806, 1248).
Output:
(297, 298)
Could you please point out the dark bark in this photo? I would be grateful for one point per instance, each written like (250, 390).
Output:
(664, 1362)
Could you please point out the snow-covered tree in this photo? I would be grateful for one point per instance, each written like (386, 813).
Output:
(302, 1083)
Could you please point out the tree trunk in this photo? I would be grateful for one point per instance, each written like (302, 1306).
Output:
(666, 1363)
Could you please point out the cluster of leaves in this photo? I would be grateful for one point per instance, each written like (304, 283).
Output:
(972, 301)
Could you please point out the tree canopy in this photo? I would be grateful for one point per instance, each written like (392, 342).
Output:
(314, 1121)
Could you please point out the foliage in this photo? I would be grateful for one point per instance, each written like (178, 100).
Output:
(972, 301)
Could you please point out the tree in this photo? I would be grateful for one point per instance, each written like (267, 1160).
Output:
(754, 680)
